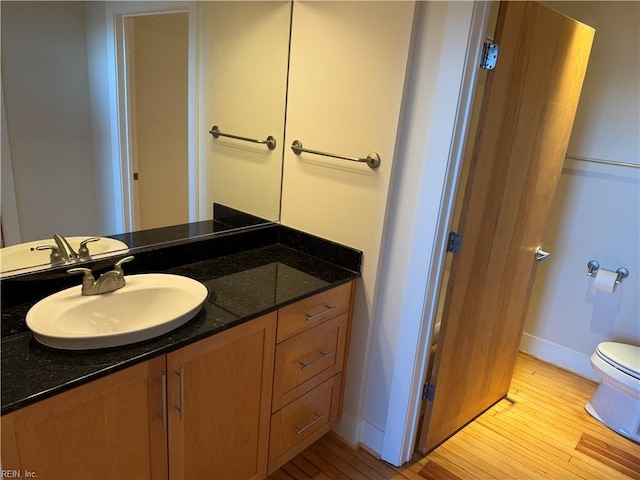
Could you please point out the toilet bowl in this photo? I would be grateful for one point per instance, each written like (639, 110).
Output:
(616, 401)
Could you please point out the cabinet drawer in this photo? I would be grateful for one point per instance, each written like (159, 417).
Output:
(302, 422)
(312, 311)
(308, 359)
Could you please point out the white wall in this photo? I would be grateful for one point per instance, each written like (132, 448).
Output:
(105, 134)
(596, 214)
(10, 222)
(348, 62)
(437, 102)
(46, 94)
(244, 51)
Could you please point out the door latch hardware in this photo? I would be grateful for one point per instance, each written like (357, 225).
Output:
(454, 242)
(541, 255)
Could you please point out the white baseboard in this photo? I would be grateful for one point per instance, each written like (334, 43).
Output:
(347, 429)
(563, 357)
(371, 437)
(360, 434)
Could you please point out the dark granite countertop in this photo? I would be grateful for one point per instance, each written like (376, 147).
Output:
(242, 286)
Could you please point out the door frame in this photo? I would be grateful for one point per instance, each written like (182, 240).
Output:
(122, 154)
(403, 413)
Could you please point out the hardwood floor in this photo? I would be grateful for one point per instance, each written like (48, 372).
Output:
(540, 432)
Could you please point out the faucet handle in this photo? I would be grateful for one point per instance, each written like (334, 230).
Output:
(83, 251)
(54, 257)
(117, 267)
(87, 276)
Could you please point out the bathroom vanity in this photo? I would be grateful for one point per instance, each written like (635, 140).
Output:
(253, 379)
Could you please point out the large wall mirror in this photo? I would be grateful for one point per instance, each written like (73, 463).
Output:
(107, 109)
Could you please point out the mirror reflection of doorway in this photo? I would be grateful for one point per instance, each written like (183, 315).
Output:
(157, 86)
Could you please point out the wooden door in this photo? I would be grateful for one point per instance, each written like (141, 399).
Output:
(158, 69)
(109, 428)
(528, 108)
(219, 395)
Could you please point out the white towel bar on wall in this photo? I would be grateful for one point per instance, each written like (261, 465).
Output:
(269, 142)
(604, 162)
(373, 159)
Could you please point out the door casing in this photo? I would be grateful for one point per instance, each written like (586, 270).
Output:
(122, 167)
(440, 182)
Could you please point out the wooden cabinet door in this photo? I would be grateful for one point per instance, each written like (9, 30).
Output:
(527, 114)
(109, 428)
(219, 398)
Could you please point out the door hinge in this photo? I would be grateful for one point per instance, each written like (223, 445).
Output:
(489, 56)
(428, 391)
(454, 242)
(135, 176)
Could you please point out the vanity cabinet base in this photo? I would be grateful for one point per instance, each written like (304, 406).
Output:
(301, 423)
(311, 353)
(106, 429)
(212, 422)
(239, 404)
(219, 397)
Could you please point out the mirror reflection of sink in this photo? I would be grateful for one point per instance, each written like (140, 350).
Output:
(148, 306)
(22, 256)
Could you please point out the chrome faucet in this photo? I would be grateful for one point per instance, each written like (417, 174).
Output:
(65, 250)
(107, 282)
(62, 250)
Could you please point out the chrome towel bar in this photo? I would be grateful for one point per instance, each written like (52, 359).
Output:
(269, 142)
(372, 160)
(604, 162)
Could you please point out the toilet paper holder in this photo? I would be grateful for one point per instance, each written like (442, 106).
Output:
(593, 266)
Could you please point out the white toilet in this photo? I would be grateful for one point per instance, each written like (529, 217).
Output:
(616, 402)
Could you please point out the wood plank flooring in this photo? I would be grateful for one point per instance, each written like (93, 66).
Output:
(540, 432)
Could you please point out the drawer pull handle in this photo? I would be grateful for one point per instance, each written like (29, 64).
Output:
(319, 416)
(322, 356)
(319, 314)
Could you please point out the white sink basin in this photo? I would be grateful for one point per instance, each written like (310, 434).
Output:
(21, 256)
(147, 306)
